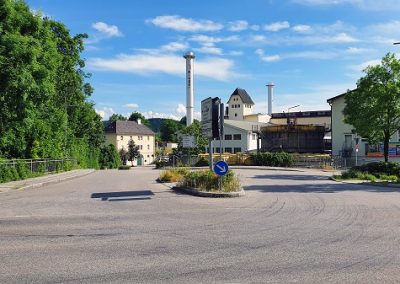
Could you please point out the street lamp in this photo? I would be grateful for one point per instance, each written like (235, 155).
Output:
(288, 119)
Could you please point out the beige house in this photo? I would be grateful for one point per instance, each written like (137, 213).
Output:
(119, 133)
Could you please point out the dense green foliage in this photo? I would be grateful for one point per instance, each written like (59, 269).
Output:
(374, 107)
(200, 140)
(273, 159)
(115, 117)
(137, 115)
(43, 94)
(109, 157)
(386, 171)
(169, 130)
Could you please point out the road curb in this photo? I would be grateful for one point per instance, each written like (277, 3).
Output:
(196, 192)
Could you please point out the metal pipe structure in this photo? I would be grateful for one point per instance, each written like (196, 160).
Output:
(189, 56)
(270, 94)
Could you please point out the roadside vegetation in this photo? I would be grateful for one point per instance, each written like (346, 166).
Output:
(374, 172)
(45, 104)
(21, 170)
(204, 180)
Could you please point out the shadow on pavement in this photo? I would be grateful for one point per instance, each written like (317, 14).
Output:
(123, 195)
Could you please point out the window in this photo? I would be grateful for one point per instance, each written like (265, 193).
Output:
(148, 138)
(254, 136)
(148, 147)
(228, 136)
(235, 114)
(237, 150)
(122, 137)
(217, 150)
(148, 156)
(228, 150)
(237, 137)
(238, 106)
(140, 137)
(140, 147)
(130, 137)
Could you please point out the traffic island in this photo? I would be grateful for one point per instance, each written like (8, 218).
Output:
(203, 183)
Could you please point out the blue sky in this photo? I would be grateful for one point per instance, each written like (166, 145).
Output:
(310, 49)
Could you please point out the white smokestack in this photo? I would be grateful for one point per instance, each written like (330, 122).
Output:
(270, 95)
(189, 56)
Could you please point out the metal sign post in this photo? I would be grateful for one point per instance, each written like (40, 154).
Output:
(221, 168)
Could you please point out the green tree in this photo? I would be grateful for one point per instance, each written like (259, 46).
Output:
(109, 157)
(115, 117)
(123, 155)
(43, 93)
(137, 115)
(200, 140)
(133, 151)
(169, 130)
(373, 108)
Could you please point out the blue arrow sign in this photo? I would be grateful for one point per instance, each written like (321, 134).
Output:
(221, 168)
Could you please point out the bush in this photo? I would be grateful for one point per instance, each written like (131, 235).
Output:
(275, 159)
(375, 168)
(161, 164)
(202, 163)
(109, 157)
(173, 175)
(22, 170)
(209, 181)
(124, 167)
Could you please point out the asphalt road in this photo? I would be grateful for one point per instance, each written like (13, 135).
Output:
(121, 226)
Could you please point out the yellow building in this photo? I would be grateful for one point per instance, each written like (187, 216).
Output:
(120, 132)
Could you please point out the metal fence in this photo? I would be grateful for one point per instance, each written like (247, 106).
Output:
(41, 165)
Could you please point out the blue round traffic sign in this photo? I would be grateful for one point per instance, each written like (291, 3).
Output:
(221, 168)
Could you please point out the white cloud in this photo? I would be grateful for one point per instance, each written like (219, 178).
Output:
(181, 109)
(277, 26)
(105, 112)
(270, 58)
(238, 26)
(174, 46)
(209, 49)
(151, 114)
(257, 38)
(133, 106)
(108, 30)
(355, 50)
(364, 65)
(144, 64)
(301, 28)
(255, 27)
(323, 55)
(236, 53)
(178, 23)
(204, 39)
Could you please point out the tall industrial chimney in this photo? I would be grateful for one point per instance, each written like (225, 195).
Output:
(189, 56)
(270, 95)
